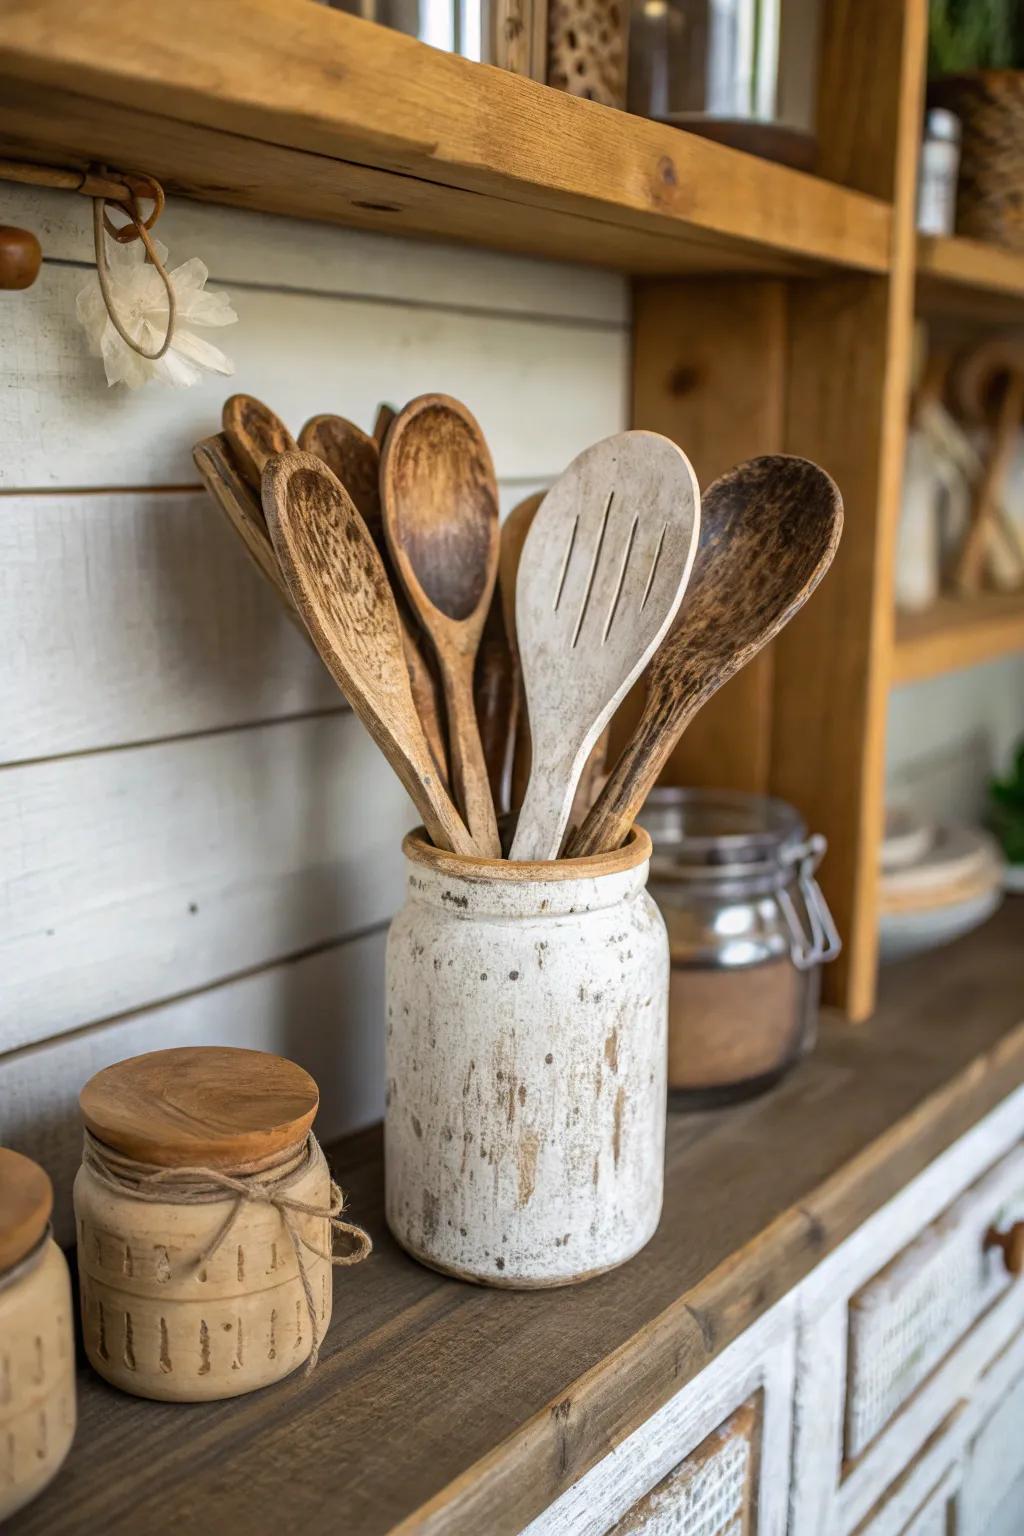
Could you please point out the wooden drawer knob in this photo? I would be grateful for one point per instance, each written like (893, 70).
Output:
(20, 257)
(1012, 1243)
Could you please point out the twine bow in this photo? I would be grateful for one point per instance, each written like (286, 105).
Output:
(266, 1185)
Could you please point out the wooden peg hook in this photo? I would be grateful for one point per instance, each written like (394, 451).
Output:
(21, 256)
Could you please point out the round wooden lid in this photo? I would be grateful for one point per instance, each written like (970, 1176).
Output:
(202, 1106)
(26, 1200)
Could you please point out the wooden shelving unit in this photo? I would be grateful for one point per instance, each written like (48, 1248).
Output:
(955, 633)
(307, 111)
(773, 309)
(965, 277)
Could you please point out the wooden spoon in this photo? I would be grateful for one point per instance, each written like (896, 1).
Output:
(382, 422)
(602, 573)
(339, 585)
(496, 699)
(214, 461)
(255, 434)
(769, 530)
(354, 458)
(440, 505)
(513, 536)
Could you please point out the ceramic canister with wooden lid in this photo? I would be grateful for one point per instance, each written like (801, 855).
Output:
(206, 1214)
(37, 1346)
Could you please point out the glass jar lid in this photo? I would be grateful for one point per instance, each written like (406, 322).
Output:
(720, 835)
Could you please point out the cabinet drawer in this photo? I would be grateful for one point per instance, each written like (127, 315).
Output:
(993, 1496)
(909, 1316)
(710, 1492)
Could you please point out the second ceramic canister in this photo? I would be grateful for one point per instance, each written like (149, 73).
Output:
(205, 1214)
(526, 1056)
(37, 1344)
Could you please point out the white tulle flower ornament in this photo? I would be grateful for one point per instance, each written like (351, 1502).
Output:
(136, 292)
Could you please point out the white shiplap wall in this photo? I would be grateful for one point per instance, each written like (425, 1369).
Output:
(197, 842)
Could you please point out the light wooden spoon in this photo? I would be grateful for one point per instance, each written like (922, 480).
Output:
(769, 530)
(602, 573)
(240, 504)
(339, 585)
(354, 458)
(440, 504)
(255, 434)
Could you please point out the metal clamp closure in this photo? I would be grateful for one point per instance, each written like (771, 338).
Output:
(823, 943)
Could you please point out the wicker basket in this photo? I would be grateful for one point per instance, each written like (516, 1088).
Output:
(990, 197)
(587, 49)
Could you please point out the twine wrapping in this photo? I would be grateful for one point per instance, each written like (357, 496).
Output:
(267, 1184)
(137, 228)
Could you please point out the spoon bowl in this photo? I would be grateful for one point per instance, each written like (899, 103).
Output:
(769, 531)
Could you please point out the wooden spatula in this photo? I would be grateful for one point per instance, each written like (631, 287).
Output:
(769, 530)
(439, 500)
(354, 458)
(340, 587)
(601, 576)
(255, 434)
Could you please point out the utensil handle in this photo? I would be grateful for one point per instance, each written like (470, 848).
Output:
(630, 782)
(469, 779)
(545, 812)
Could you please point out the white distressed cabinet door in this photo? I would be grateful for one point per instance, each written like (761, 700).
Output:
(713, 1461)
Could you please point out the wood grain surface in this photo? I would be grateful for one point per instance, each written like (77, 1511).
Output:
(201, 1106)
(601, 577)
(232, 493)
(445, 147)
(439, 500)
(255, 434)
(499, 1400)
(769, 530)
(26, 1200)
(354, 458)
(339, 584)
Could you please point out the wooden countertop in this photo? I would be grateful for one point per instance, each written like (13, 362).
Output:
(440, 1407)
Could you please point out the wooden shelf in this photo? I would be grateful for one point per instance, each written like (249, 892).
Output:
(970, 278)
(303, 110)
(444, 1407)
(957, 632)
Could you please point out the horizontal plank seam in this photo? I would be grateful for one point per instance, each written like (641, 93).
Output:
(389, 301)
(505, 482)
(338, 942)
(342, 708)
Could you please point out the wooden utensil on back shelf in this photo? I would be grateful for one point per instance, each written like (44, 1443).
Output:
(769, 530)
(602, 573)
(354, 458)
(339, 585)
(440, 506)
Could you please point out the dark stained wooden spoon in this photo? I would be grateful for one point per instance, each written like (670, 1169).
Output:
(255, 435)
(439, 500)
(382, 422)
(769, 530)
(354, 458)
(339, 585)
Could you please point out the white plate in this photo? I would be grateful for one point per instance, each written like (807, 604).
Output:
(907, 838)
(957, 854)
(901, 934)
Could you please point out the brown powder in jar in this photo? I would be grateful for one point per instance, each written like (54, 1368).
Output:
(727, 1026)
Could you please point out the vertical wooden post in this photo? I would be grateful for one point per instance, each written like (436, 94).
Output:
(732, 367)
(710, 373)
(848, 381)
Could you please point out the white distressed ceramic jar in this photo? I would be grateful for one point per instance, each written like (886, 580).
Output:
(526, 1064)
(37, 1346)
(160, 1319)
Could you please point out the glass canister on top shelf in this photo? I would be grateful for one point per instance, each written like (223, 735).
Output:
(748, 930)
(37, 1343)
(743, 72)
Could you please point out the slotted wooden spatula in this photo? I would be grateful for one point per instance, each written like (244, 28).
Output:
(339, 585)
(602, 573)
